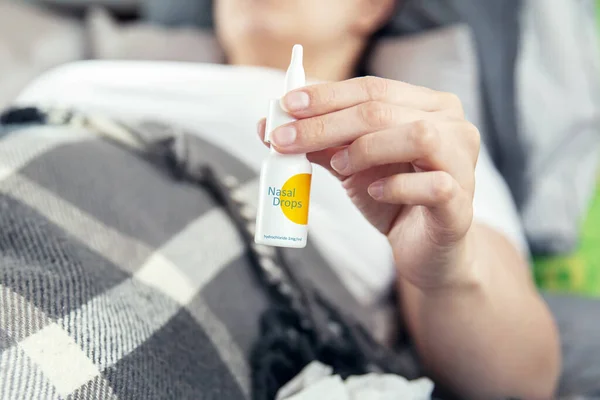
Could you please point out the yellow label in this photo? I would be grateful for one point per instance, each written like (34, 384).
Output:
(294, 198)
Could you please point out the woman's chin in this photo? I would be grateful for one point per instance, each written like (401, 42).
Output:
(262, 27)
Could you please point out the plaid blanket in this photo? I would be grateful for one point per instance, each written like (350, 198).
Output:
(118, 281)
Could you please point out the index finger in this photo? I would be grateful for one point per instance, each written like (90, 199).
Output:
(325, 98)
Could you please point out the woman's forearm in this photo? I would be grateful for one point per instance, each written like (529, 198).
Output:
(491, 338)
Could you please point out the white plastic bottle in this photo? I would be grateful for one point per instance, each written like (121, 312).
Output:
(285, 179)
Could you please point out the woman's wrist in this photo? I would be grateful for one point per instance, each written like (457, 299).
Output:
(458, 271)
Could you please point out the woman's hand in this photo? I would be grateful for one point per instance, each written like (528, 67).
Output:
(406, 156)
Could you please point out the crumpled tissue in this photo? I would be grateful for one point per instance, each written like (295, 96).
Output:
(317, 382)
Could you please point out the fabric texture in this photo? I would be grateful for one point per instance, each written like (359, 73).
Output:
(111, 286)
(118, 282)
(126, 321)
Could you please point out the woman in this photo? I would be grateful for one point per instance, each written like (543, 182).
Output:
(406, 158)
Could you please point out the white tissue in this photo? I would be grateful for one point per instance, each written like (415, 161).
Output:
(388, 387)
(310, 375)
(317, 382)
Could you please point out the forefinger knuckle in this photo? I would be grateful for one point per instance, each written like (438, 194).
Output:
(473, 137)
(450, 100)
(443, 187)
(376, 88)
(452, 103)
(424, 137)
(376, 115)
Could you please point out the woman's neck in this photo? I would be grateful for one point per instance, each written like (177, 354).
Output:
(332, 64)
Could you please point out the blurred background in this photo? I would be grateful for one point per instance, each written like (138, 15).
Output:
(528, 72)
(36, 35)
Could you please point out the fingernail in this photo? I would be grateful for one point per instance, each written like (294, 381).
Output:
(340, 161)
(260, 126)
(284, 136)
(376, 190)
(296, 101)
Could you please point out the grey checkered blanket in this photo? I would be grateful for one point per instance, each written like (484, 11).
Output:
(118, 281)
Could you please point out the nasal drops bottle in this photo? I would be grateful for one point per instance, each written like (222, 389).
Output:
(282, 215)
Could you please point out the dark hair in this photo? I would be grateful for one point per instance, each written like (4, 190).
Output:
(393, 26)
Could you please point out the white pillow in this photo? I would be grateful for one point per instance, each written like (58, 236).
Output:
(139, 41)
(31, 42)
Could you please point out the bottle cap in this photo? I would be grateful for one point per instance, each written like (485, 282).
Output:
(294, 78)
(277, 116)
